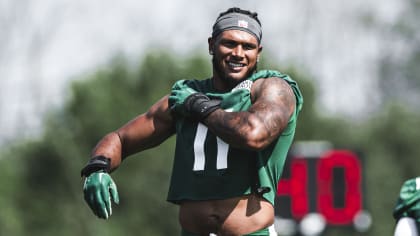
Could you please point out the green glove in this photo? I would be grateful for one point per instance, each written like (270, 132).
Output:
(177, 98)
(99, 188)
(199, 106)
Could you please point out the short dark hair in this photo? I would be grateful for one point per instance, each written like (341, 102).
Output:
(253, 15)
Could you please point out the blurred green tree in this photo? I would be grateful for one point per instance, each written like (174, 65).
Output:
(399, 70)
(394, 132)
(40, 179)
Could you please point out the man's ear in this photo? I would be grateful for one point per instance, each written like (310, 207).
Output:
(260, 48)
(211, 45)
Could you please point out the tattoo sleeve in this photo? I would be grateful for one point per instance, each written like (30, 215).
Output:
(273, 105)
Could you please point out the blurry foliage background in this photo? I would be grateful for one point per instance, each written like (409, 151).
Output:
(40, 178)
(40, 184)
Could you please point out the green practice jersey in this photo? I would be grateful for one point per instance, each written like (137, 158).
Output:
(408, 204)
(206, 168)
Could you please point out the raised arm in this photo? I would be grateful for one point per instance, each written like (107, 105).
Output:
(143, 132)
(273, 104)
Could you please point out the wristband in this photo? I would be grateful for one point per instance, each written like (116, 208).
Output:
(95, 164)
(199, 106)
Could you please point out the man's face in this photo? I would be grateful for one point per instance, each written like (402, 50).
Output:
(235, 55)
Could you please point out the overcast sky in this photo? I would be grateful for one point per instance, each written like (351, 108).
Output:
(46, 44)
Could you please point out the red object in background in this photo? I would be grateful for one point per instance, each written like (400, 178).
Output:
(296, 187)
(352, 182)
(337, 192)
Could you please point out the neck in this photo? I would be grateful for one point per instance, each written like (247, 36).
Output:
(219, 85)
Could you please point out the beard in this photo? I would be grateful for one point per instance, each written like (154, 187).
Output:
(232, 82)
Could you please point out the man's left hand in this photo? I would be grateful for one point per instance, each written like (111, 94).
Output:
(199, 106)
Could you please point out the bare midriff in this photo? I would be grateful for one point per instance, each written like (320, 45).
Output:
(233, 216)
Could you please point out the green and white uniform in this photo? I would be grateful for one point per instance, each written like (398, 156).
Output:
(408, 204)
(206, 168)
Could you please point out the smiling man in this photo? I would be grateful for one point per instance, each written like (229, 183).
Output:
(233, 132)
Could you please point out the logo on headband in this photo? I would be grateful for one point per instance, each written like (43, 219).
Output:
(243, 24)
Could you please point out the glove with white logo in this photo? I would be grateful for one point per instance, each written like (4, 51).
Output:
(99, 188)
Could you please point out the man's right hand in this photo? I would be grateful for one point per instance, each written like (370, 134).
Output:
(98, 189)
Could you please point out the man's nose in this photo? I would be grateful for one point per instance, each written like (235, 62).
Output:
(238, 51)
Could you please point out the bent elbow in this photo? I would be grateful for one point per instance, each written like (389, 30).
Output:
(257, 146)
(257, 140)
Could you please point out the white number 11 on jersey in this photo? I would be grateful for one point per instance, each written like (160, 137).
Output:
(200, 156)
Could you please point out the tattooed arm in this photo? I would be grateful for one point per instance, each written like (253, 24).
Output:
(273, 104)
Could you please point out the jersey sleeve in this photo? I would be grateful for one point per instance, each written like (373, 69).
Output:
(408, 203)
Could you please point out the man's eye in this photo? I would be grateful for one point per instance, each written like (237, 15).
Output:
(229, 44)
(249, 47)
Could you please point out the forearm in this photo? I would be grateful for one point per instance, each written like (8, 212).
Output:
(240, 129)
(143, 132)
(110, 147)
(262, 123)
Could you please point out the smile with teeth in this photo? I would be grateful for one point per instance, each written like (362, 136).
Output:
(235, 64)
